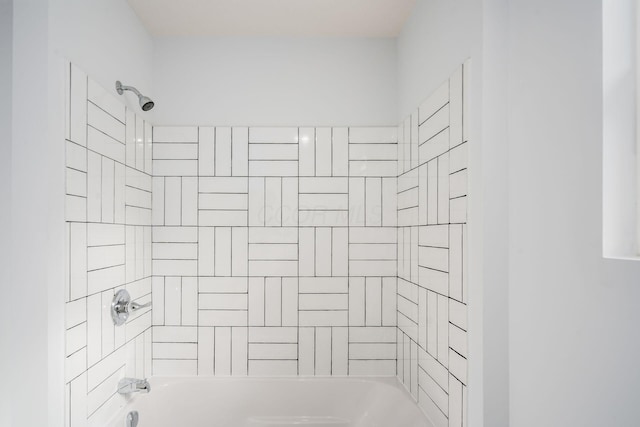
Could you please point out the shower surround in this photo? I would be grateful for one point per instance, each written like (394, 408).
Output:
(266, 251)
(274, 251)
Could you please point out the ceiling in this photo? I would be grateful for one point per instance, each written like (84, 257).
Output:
(307, 18)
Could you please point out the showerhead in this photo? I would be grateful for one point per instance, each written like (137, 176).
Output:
(145, 102)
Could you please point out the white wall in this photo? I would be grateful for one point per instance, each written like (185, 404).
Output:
(6, 39)
(33, 156)
(275, 81)
(574, 316)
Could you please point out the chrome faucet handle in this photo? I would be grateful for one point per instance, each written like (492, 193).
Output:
(134, 306)
(122, 307)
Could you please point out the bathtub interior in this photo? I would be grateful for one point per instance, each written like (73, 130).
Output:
(271, 402)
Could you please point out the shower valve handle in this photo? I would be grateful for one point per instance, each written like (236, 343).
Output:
(122, 307)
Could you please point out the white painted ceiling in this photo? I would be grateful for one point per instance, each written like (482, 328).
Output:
(333, 18)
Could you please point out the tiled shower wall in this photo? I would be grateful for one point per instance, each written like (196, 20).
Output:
(108, 228)
(432, 240)
(274, 251)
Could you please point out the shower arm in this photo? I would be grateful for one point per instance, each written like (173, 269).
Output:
(120, 88)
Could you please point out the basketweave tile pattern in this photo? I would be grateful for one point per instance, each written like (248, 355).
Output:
(274, 251)
(432, 259)
(108, 247)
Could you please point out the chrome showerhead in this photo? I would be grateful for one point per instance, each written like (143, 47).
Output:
(145, 102)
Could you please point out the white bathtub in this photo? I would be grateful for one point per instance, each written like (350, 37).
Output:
(281, 402)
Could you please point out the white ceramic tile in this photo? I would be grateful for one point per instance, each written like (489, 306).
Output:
(175, 368)
(323, 254)
(78, 260)
(76, 156)
(324, 318)
(455, 404)
(175, 134)
(222, 349)
(78, 401)
(458, 366)
(257, 196)
(273, 168)
(206, 151)
(323, 152)
(431, 409)
(173, 300)
(373, 202)
(273, 135)
(389, 202)
(458, 158)
(189, 300)
(455, 259)
(322, 285)
(105, 123)
(75, 338)
(148, 148)
(372, 268)
(339, 351)
(289, 202)
(307, 251)
(443, 189)
(443, 330)
(432, 324)
(307, 149)
(373, 135)
(376, 168)
(130, 138)
(356, 301)
(239, 251)
(273, 301)
(372, 152)
(434, 147)
(273, 235)
(78, 106)
(105, 145)
(414, 140)
(372, 367)
(94, 187)
(340, 152)
(339, 251)
(223, 151)
(434, 102)
(324, 302)
(458, 314)
(175, 167)
(273, 202)
(166, 151)
(175, 350)
(189, 193)
(173, 196)
(239, 349)
(434, 391)
(256, 300)
(357, 208)
(273, 152)
(270, 368)
(240, 152)
(175, 334)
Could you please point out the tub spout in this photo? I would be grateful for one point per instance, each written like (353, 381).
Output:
(133, 385)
